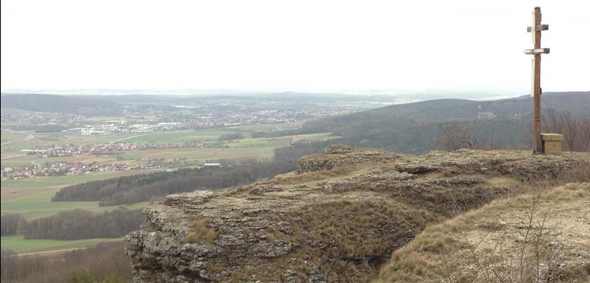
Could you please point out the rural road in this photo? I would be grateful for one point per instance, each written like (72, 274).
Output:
(127, 138)
(28, 137)
(11, 156)
(49, 253)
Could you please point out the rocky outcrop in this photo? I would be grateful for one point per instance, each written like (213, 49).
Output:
(337, 219)
(342, 155)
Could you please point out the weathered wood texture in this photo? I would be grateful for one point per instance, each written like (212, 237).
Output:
(536, 80)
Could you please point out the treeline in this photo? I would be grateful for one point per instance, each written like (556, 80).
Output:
(415, 128)
(82, 224)
(419, 137)
(575, 128)
(277, 133)
(74, 225)
(132, 189)
(230, 137)
(104, 263)
(10, 224)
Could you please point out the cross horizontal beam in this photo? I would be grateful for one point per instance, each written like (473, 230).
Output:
(537, 51)
(538, 28)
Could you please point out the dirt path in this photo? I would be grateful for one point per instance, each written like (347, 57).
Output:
(50, 253)
(127, 138)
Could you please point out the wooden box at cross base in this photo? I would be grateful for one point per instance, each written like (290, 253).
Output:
(552, 143)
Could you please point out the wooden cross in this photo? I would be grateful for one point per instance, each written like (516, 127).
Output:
(535, 30)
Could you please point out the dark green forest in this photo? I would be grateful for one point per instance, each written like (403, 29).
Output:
(83, 224)
(415, 127)
(74, 225)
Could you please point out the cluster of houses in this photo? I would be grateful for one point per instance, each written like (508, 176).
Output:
(67, 150)
(40, 117)
(122, 127)
(60, 168)
(191, 119)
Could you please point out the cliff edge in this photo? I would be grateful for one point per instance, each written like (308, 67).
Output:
(338, 218)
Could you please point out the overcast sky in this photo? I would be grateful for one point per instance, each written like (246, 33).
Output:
(291, 45)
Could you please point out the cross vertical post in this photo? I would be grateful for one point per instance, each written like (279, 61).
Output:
(535, 30)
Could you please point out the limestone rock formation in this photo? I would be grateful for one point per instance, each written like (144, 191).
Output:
(337, 219)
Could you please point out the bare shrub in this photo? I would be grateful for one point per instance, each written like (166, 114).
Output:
(580, 173)
(456, 137)
(106, 262)
(532, 259)
(575, 129)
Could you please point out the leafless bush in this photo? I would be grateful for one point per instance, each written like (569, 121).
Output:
(456, 137)
(575, 129)
(106, 262)
(579, 173)
(532, 260)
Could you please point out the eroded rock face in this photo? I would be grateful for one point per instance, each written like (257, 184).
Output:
(342, 155)
(336, 220)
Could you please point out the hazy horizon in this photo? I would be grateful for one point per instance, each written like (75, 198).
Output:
(264, 46)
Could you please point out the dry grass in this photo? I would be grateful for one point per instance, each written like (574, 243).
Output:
(200, 233)
(360, 229)
(294, 178)
(529, 238)
(345, 239)
(580, 173)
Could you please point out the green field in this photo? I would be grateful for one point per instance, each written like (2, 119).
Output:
(42, 182)
(10, 137)
(21, 245)
(176, 136)
(267, 127)
(38, 204)
(204, 135)
(32, 197)
(278, 141)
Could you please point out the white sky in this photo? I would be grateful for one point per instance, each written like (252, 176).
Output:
(291, 45)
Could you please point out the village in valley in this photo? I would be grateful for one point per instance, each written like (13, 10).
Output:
(115, 134)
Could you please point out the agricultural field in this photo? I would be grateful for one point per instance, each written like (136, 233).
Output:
(12, 154)
(267, 127)
(278, 141)
(21, 245)
(31, 197)
(10, 137)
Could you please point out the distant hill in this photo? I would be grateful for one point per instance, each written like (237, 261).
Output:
(72, 104)
(413, 128)
(578, 102)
